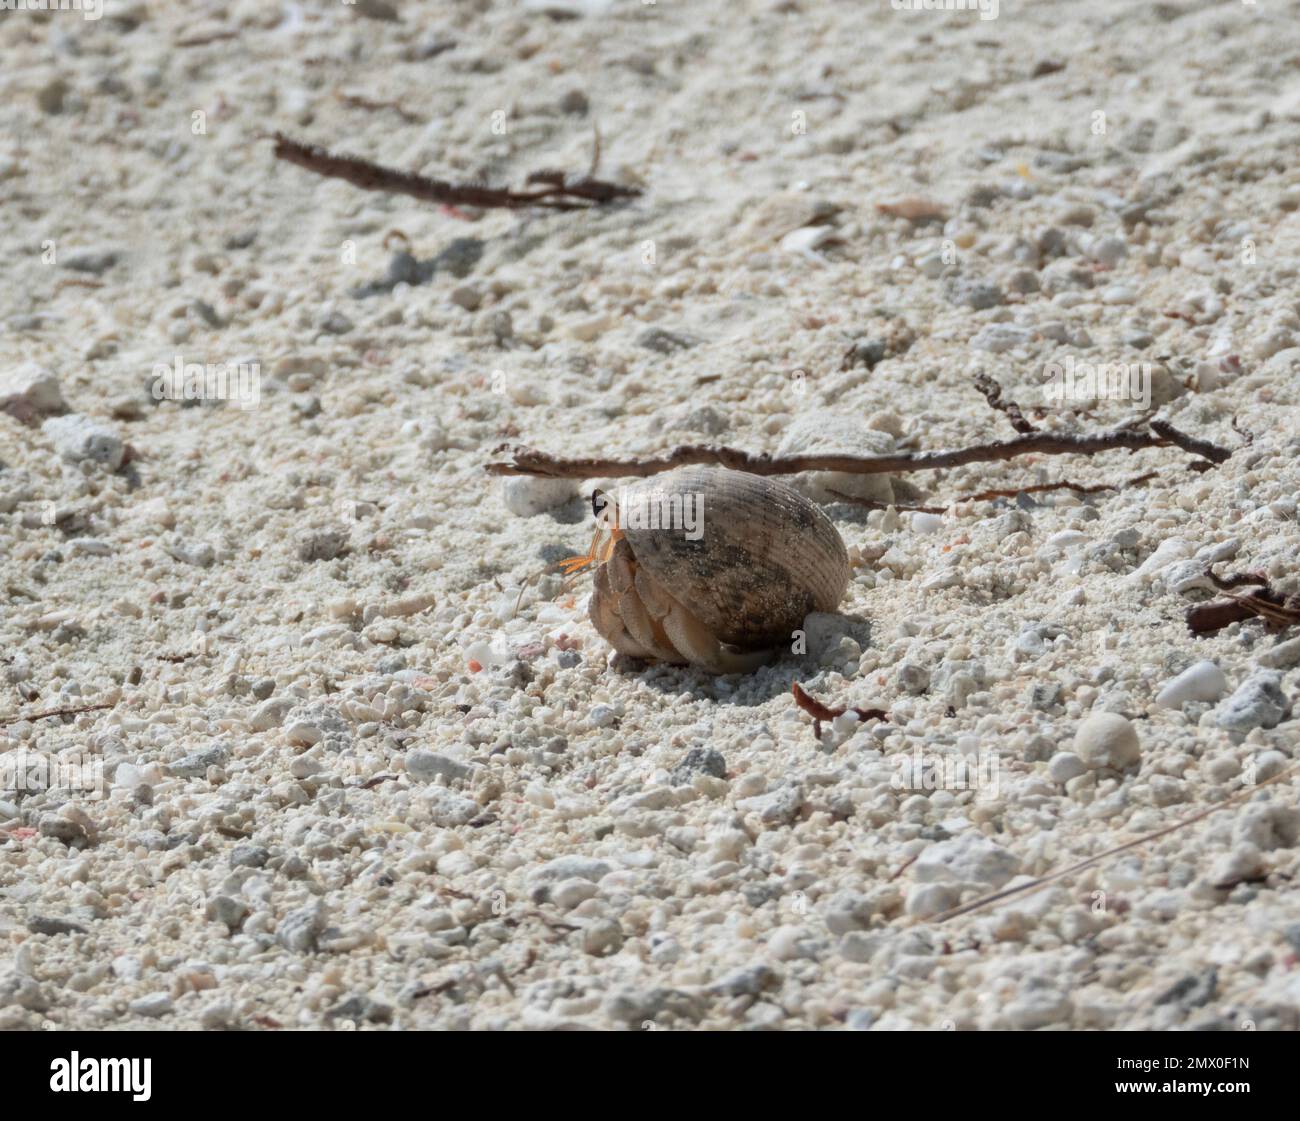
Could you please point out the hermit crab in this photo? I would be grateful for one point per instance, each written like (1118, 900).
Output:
(709, 567)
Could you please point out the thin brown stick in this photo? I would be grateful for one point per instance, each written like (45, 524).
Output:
(987, 495)
(1207, 618)
(1278, 611)
(360, 101)
(202, 39)
(1203, 448)
(903, 868)
(1039, 488)
(876, 504)
(1079, 866)
(1237, 580)
(55, 712)
(529, 461)
(819, 712)
(555, 192)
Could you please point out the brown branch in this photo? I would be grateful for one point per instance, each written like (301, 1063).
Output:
(202, 39)
(360, 101)
(555, 193)
(1277, 610)
(876, 504)
(55, 712)
(987, 495)
(993, 395)
(1237, 580)
(1203, 448)
(1039, 488)
(904, 867)
(530, 461)
(819, 712)
(1207, 618)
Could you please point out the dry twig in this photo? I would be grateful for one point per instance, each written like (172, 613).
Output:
(529, 461)
(987, 495)
(203, 38)
(55, 712)
(1133, 436)
(1079, 866)
(993, 394)
(1277, 610)
(1040, 488)
(371, 105)
(1192, 444)
(552, 190)
(819, 712)
(877, 504)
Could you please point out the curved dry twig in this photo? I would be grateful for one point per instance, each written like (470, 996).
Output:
(554, 191)
(1079, 866)
(529, 461)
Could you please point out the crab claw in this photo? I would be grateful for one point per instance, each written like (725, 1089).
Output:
(577, 564)
(574, 564)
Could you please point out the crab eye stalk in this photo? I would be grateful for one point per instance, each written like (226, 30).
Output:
(602, 506)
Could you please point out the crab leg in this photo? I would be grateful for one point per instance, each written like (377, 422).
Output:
(606, 620)
(622, 572)
(698, 646)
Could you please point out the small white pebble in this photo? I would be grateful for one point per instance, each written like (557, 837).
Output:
(1106, 739)
(1202, 681)
(527, 497)
(926, 523)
